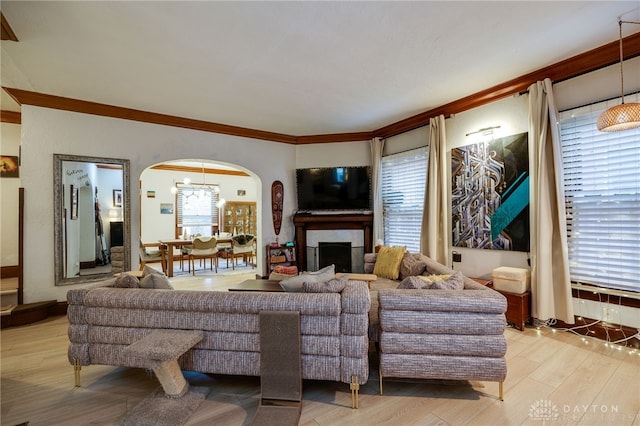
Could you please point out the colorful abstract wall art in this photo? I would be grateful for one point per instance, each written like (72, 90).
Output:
(490, 194)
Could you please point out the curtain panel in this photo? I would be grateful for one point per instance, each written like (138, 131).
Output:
(377, 146)
(435, 236)
(550, 279)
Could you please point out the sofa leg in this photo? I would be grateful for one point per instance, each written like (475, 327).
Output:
(501, 390)
(355, 387)
(76, 371)
(380, 380)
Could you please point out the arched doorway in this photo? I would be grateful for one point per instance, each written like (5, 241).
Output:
(175, 197)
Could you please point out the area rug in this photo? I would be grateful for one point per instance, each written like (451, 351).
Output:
(159, 410)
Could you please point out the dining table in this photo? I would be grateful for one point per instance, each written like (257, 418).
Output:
(170, 244)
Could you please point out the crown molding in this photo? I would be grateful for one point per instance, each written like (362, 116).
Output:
(191, 169)
(583, 63)
(10, 117)
(6, 32)
(25, 97)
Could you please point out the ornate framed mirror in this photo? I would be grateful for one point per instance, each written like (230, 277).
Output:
(91, 215)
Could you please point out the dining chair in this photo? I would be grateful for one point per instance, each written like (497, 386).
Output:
(183, 252)
(152, 253)
(203, 248)
(243, 245)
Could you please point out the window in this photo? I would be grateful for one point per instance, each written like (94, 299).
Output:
(197, 211)
(403, 185)
(602, 195)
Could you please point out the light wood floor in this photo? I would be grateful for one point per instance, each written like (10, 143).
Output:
(553, 378)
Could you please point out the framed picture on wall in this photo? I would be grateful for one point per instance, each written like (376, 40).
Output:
(117, 198)
(73, 190)
(9, 166)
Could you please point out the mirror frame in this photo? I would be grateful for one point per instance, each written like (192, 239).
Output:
(58, 209)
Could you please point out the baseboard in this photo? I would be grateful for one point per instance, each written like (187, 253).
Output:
(33, 312)
(602, 331)
(88, 265)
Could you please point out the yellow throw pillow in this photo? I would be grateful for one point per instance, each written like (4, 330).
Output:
(388, 262)
(434, 278)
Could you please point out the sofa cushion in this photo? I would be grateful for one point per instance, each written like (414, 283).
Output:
(388, 262)
(294, 284)
(126, 281)
(335, 285)
(411, 265)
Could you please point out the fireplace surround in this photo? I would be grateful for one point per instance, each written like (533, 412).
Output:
(310, 222)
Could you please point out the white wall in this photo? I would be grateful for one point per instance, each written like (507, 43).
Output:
(10, 145)
(511, 115)
(597, 85)
(46, 131)
(332, 154)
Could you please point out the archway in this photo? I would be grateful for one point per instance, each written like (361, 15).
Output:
(167, 188)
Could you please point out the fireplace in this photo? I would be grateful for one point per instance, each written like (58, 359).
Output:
(342, 227)
(336, 253)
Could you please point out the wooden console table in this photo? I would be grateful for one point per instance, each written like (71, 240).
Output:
(324, 222)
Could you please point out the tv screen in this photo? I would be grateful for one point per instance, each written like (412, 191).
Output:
(334, 188)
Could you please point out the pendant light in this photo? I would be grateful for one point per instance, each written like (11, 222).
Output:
(623, 116)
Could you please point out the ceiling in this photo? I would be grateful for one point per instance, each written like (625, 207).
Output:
(294, 67)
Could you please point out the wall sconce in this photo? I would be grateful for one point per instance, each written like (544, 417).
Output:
(623, 116)
(485, 131)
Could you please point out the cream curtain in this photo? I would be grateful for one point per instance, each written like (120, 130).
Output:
(550, 281)
(377, 146)
(435, 236)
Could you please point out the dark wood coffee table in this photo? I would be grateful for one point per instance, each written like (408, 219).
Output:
(258, 285)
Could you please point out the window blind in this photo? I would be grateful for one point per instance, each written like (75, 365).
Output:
(196, 208)
(403, 177)
(602, 196)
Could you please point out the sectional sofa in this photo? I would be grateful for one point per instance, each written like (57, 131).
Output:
(425, 334)
(437, 333)
(105, 321)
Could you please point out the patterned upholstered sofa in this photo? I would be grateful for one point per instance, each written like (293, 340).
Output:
(438, 334)
(104, 321)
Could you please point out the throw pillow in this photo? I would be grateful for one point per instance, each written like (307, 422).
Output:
(411, 265)
(413, 283)
(157, 281)
(277, 276)
(388, 262)
(126, 281)
(454, 282)
(434, 282)
(434, 278)
(150, 270)
(327, 269)
(294, 284)
(335, 285)
(286, 270)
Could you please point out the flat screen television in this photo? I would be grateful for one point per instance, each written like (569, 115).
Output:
(334, 188)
